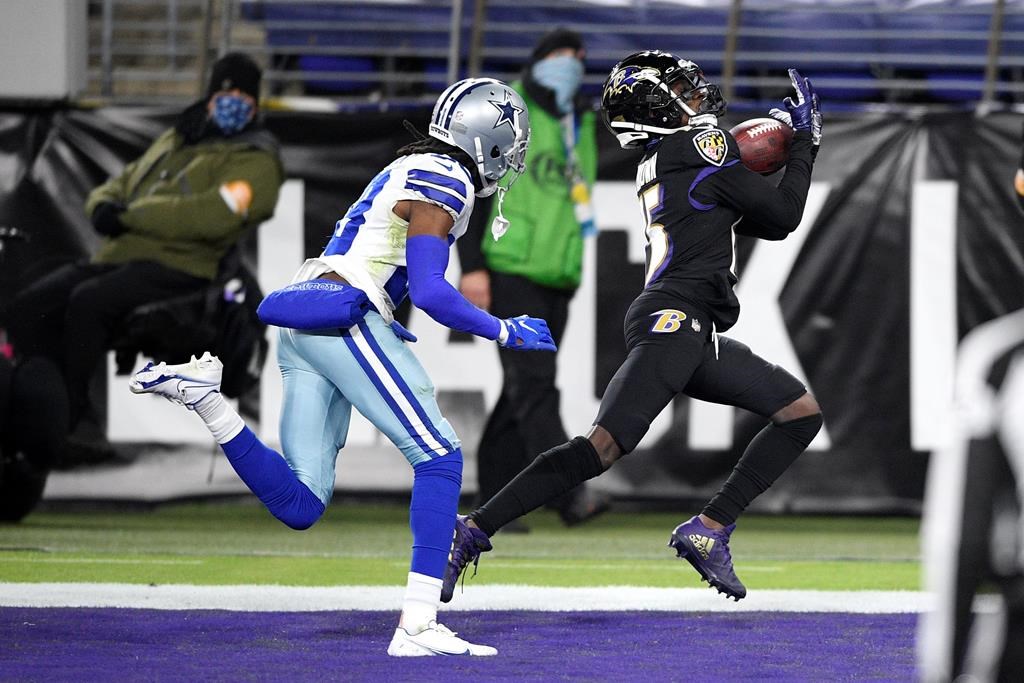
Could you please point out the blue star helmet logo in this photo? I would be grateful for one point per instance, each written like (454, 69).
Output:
(509, 112)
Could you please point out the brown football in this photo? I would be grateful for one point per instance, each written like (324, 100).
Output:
(763, 143)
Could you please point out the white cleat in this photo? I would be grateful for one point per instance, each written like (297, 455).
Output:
(187, 383)
(435, 639)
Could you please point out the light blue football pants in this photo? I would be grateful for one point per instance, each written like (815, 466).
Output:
(327, 373)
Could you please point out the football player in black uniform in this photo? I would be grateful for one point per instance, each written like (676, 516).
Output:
(695, 194)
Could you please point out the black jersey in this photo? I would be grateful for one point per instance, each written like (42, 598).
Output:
(696, 195)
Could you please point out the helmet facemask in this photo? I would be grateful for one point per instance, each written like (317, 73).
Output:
(495, 165)
(712, 104)
(516, 160)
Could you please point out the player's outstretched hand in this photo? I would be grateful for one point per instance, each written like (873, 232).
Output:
(527, 334)
(805, 113)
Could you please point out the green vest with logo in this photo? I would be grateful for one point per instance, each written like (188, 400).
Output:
(544, 242)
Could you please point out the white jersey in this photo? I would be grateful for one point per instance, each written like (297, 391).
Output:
(368, 245)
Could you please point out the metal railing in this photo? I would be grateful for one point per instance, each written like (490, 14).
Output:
(396, 52)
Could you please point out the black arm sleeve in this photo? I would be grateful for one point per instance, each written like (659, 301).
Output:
(770, 213)
(471, 255)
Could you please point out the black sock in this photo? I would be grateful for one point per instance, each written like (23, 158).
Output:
(768, 455)
(550, 475)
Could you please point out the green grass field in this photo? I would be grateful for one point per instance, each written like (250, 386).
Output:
(369, 544)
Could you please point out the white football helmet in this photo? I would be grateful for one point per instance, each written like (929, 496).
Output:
(488, 120)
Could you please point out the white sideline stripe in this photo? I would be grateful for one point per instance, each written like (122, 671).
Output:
(94, 560)
(476, 598)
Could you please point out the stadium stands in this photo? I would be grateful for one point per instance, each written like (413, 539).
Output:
(859, 52)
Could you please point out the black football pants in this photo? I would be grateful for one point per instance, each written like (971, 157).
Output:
(72, 314)
(671, 351)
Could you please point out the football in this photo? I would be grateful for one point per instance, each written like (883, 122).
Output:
(763, 144)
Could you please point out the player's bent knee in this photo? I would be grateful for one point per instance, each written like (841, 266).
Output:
(607, 448)
(299, 522)
(297, 507)
(802, 429)
(805, 406)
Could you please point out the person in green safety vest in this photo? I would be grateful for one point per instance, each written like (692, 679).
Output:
(536, 266)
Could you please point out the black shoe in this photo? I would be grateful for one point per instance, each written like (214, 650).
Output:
(584, 506)
(86, 445)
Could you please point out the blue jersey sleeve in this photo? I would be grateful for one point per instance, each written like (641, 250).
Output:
(427, 259)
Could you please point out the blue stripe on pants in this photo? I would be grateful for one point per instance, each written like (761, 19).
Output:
(402, 386)
(326, 374)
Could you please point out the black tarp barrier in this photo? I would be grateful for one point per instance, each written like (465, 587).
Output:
(846, 301)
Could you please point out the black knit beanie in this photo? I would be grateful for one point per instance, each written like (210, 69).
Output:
(559, 38)
(235, 70)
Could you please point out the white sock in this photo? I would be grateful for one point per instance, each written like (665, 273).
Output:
(419, 608)
(220, 418)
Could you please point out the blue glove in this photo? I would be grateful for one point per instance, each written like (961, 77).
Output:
(402, 333)
(524, 333)
(805, 113)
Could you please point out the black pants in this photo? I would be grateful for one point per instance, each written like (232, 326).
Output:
(72, 314)
(527, 420)
(671, 352)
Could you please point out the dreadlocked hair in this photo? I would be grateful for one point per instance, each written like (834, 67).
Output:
(430, 145)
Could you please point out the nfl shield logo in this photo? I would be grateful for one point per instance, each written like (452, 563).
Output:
(711, 145)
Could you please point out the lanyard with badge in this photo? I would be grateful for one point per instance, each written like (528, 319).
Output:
(579, 192)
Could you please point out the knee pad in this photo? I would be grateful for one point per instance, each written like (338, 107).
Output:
(803, 429)
(577, 460)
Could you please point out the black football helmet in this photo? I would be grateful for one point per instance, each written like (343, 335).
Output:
(638, 99)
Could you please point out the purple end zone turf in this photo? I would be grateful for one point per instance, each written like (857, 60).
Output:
(134, 644)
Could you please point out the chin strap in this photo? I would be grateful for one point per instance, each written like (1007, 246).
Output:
(499, 226)
(703, 120)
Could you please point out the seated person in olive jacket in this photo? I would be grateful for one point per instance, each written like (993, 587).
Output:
(168, 219)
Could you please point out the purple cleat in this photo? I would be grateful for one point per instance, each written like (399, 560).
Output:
(708, 551)
(467, 544)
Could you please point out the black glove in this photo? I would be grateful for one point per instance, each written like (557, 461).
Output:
(106, 219)
(805, 113)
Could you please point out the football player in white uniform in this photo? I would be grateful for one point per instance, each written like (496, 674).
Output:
(340, 346)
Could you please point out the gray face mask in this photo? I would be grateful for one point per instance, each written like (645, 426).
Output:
(562, 75)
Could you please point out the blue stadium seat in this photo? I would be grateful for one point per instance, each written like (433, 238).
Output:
(906, 24)
(331, 63)
(850, 54)
(944, 86)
